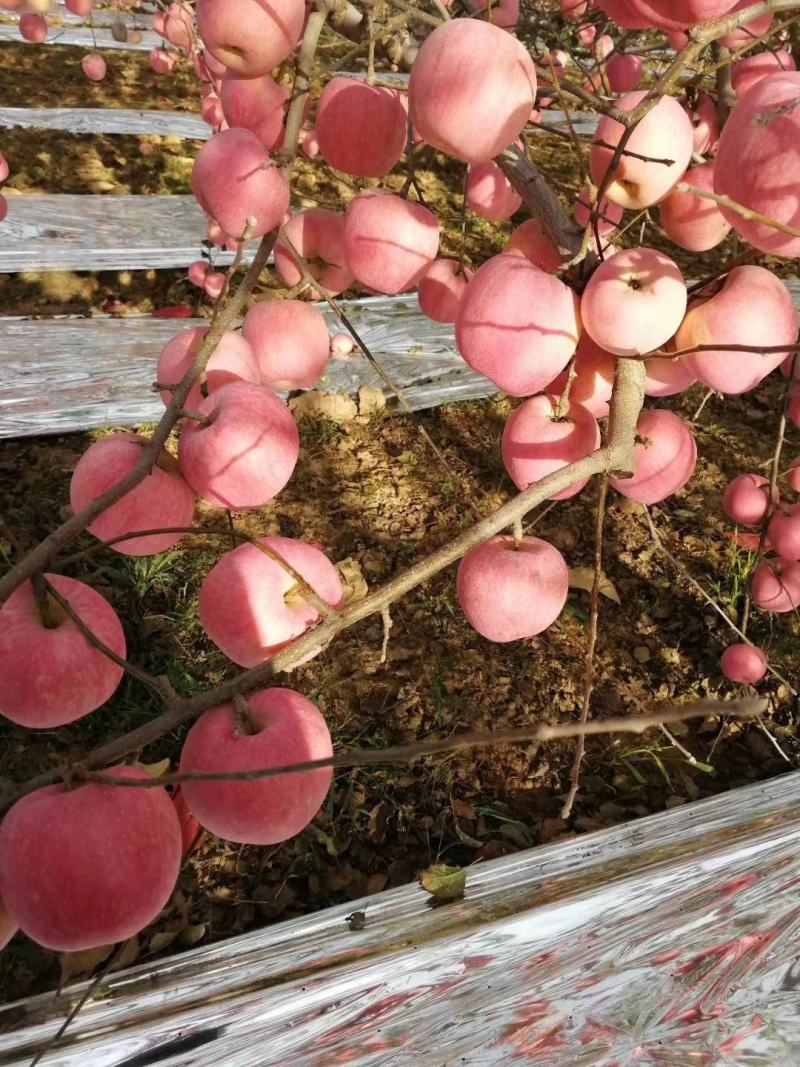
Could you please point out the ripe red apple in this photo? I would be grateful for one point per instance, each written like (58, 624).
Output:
(197, 272)
(81, 8)
(389, 242)
(517, 325)
(162, 499)
(94, 67)
(666, 377)
(624, 72)
(179, 24)
(634, 302)
(489, 192)
(745, 499)
(536, 442)
(318, 236)
(758, 165)
(441, 288)
(792, 475)
(49, 672)
(91, 865)
(747, 72)
(250, 606)
(775, 585)
(743, 663)
(594, 378)
(290, 342)
(237, 183)
(783, 533)
(693, 222)
(665, 458)
(247, 453)
(214, 284)
(609, 216)
(471, 90)
(362, 129)
(250, 36)
(33, 28)
(705, 124)
(255, 104)
(281, 727)
(752, 308)
(510, 590)
(212, 113)
(232, 360)
(665, 133)
(530, 240)
(161, 61)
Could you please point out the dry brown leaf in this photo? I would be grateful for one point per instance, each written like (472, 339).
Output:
(353, 584)
(583, 578)
(334, 406)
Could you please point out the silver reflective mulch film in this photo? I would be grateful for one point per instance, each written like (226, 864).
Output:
(670, 941)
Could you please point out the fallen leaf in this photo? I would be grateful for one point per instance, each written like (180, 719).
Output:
(378, 821)
(583, 578)
(444, 883)
(353, 584)
(465, 839)
(462, 810)
(192, 934)
(119, 31)
(334, 406)
(748, 541)
(163, 939)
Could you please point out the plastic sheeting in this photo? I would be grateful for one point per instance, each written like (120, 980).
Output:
(106, 120)
(666, 942)
(74, 232)
(68, 374)
(85, 36)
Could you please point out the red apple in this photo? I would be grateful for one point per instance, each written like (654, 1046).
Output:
(389, 242)
(318, 237)
(665, 458)
(471, 90)
(250, 36)
(517, 325)
(537, 442)
(161, 499)
(510, 590)
(743, 663)
(49, 672)
(290, 342)
(91, 865)
(247, 453)
(362, 129)
(238, 185)
(281, 727)
(232, 360)
(634, 302)
(250, 606)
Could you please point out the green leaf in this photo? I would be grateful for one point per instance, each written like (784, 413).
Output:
(444, 883)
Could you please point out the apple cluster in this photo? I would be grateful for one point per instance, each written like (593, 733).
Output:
(90, 865)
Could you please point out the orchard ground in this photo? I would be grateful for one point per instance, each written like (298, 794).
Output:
(370, 490)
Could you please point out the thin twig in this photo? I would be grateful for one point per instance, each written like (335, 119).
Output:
(591, 644)
(743, 708)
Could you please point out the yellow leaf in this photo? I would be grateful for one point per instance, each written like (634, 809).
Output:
(444, 883)
(353, 584)
(583, 578)
(155, 770)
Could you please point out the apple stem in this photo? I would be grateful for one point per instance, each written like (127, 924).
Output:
(49, 611)
(245, 720)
